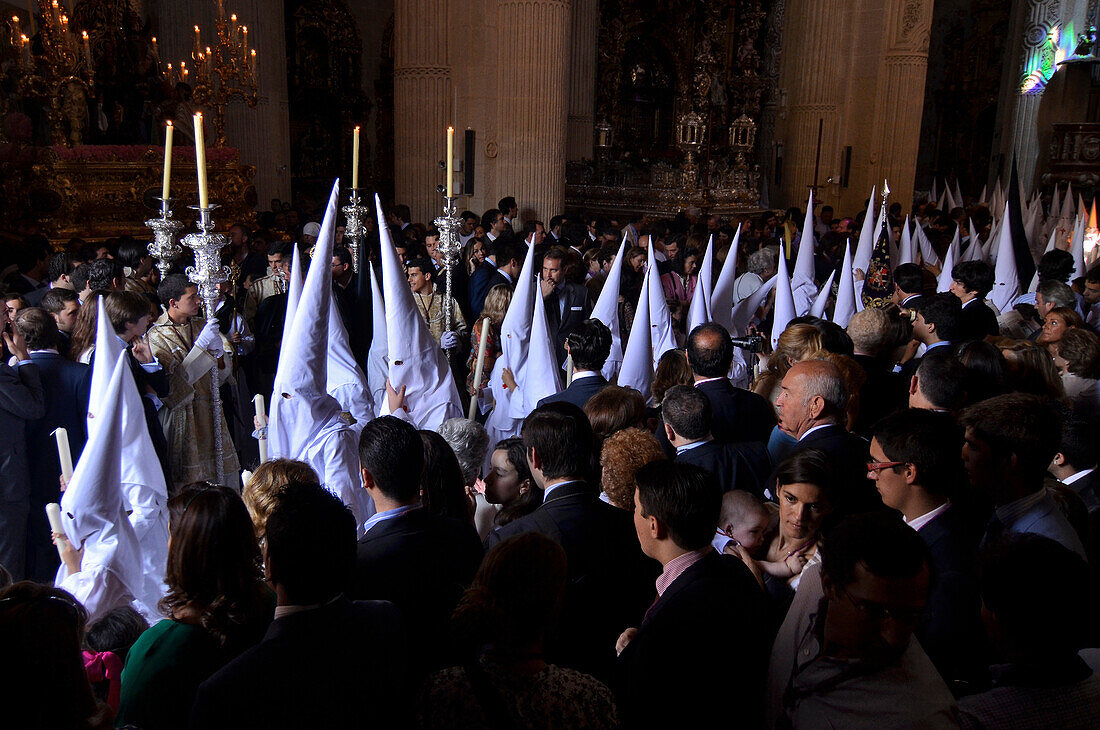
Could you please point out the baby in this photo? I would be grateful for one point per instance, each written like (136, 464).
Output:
(743, 522)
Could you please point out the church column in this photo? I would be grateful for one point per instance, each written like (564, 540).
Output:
(900, 105)
(422, 104)
(533, 103)
(583, 39)
(1043, 28)
(812, 95)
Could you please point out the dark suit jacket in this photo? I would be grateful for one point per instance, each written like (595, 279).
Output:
(479, 285)
(976, 321)
(422, 563)
(737, 415)
(578, 392)
(882, 393)
(21, 400)
(338, 666)
(700, 650)
(849, 454)
(65, 385)
(610, 581)
(950, 631)
(743, 466)
(561, 321)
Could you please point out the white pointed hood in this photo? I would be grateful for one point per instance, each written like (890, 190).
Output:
(1006, 281)
(949, 199)
(943, 283)
(746, 308)
(1077, 248)
(510, 408)
(700, 312)
(294, 284)
(377, 369)
(866, 246)
(345, 380)
(93, 511)
(932, 197)
(959, 194)
(817, 309)
(301, 405)
(416, 359)
(108, 346)
(845, 305)
(906, 254)
(607, 311)
(982, 197)
(638, 359)
(802, 278)
(660, 319)
(721, 298)
(784, 311)
(1056, 204)
(541, 377)
(927, 252)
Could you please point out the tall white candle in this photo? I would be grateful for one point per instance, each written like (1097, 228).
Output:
(200, 161)
(355, 159)
(63, 454)
(479, 369)
(258, 405)
(53, 515)
(168, 131)
(450, 160)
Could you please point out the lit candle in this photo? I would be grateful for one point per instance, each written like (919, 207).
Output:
(252, 62)
(200, 161)
(25, 47)
(198, 43)
(156, 48)
(233, 27)
(355, 159)
(64, 456)
(87, 49)
(168, 131)
(450, 159)
(169, 74)
(244, 37)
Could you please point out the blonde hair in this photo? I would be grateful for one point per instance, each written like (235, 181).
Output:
(496, 304)
(262, 491)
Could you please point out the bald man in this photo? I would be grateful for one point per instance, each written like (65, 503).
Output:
(812, 407)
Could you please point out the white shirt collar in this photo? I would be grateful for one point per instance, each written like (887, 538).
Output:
(919, 522)
(1068, 480)
(693, 445)
(816, 428)
(54, 351)
(708, 380)
(578, 374)
(506, 275)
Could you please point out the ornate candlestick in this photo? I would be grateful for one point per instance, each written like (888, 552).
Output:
(450, 248)
(208, 273)
(353, 229)
(165, 229)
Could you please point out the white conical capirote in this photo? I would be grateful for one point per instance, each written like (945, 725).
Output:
(845, 305)
(721, 298)
(943, 283)
(416, 361)
(700, 312)
(606, 310)
(638, 360)
(866, 245)
(1006, 280)
(906, 254)
(784, 311)
(660, 318)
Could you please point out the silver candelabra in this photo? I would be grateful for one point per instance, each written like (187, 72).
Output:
(450, 248)
(165, 229)
(208, 274)
(353, 229)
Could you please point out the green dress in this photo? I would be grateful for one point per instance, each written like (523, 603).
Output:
(165, 668)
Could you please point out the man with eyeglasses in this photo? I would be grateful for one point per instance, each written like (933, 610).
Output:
(844, 656)
(916, 464)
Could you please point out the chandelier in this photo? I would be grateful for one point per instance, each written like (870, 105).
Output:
(221, 72)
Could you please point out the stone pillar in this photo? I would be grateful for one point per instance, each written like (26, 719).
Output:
(900, 103)
(812, 97)
(583, 38)
(422, 103)
(1030, 62)
(532, 103)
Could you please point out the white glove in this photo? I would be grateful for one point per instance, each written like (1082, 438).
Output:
(449, 340)
(210, 339)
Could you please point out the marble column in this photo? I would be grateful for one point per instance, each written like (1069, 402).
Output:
(533, 85)
(811, 96)
(422, 104)
(900, 102)
(583, 39)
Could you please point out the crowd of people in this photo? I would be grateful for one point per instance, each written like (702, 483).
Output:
(887, 521)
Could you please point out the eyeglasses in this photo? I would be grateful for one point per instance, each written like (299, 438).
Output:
(877, 466)
(878, 612)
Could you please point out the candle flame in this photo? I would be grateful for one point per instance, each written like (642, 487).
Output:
(244, 29)
(208, 50)
(15, 18)
(198, 115)
(196, 29)
(253, 52)
(233, 17)
(23, 38)
(183, 64)
(84, 34)
(169, 122)
(450, 129)
(154, 39)
(64, 19)
(54, 3)
(356, 127)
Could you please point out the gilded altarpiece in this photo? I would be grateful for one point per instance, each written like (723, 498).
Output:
(678, 99)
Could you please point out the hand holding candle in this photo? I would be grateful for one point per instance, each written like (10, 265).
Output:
(53, 515)
(200, 162)
(64, 455)
(168, 131)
